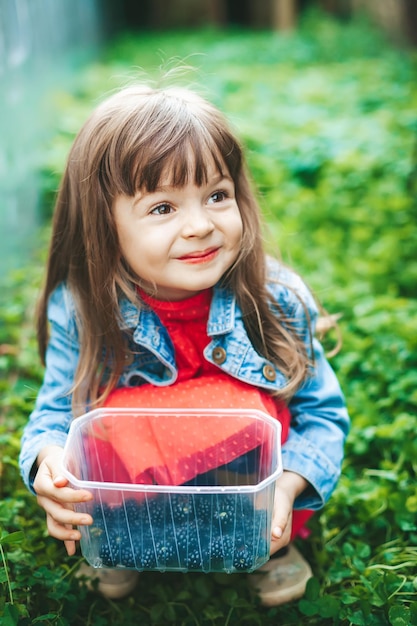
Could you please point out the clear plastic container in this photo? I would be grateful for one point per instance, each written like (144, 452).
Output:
(185, 490)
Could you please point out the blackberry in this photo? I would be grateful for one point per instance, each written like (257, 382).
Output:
(120, 536)
(228, 542)
(187, 542)
(193, 560)
(243, 531)
(147, 558)
(217, 548)
(134, 513)
(213, 551)
(181, 530)
(98, 516)
(193, 536)
(154, 509)
(102, 515)
(110, 550)
(106, 555)
(181, 538)
(186, 538)
(243, 558)
(118, 518)
(244, 505)
(166, 554)
(204, 506)
(182, 508)
(127, 556)
(225, 511)
(147, 525)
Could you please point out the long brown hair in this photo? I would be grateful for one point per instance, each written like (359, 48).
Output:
(130, 141)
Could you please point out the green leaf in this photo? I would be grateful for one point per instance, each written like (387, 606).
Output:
(329, 606)
(10, 615)
(399, 616)
(358, 619)
(46, 616)
(349, 550)
(348, 599)
(411, 504)
(308, 608)
(157, 611)
(230, 596)
(169, 613)
(312, 591)
(10, 538)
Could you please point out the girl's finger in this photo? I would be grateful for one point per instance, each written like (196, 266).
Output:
(64, 515)
(277, 532)
(60, 481)
(64, 532)
(64, 494)
(70, 547)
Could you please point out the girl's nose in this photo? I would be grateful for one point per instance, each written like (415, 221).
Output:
(197, 223)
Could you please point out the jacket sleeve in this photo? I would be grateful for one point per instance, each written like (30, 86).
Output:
(319, 418)
(50, 420)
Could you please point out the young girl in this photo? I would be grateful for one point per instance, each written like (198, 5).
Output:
(158, 286)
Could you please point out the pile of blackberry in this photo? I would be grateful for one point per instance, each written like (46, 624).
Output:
(206, 532)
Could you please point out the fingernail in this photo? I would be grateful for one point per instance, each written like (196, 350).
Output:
(277, 531)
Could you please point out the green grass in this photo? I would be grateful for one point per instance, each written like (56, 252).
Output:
(328, 115)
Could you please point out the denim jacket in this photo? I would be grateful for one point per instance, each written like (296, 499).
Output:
(319, 419)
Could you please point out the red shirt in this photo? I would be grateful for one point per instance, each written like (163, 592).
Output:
(186, 322)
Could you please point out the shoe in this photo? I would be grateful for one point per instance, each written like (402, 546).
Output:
(282, 579)
(112, 583)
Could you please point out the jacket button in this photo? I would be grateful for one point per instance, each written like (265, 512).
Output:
(269, 372)
(219, 355)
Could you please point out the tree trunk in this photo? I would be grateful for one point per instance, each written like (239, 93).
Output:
(284, 14)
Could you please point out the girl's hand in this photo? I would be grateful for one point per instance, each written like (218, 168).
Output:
(57, 499)
(288, 486)
(281, 519)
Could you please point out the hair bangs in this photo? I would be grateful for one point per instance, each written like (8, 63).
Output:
(189, 153)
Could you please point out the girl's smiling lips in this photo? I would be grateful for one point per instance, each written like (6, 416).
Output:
(199, 257)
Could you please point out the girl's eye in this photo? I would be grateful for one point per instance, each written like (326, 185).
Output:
(217, 196)
(162, 209)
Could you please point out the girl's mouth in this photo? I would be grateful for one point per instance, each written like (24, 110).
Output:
(200, 257)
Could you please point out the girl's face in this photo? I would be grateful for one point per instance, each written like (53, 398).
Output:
(180, 240)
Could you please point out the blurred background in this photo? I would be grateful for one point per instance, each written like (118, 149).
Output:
(45, 45)
(323, 94)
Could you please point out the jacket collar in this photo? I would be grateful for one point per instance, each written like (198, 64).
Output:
(222, 312)
(221, 316)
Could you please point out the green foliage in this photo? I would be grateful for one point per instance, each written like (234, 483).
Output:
(328, 115)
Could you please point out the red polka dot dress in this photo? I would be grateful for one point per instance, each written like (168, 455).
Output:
(199, 384)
